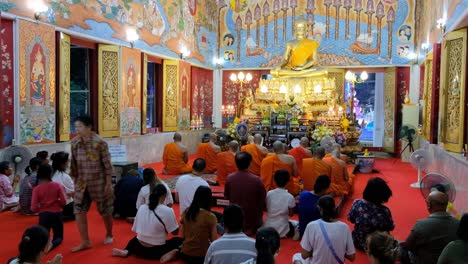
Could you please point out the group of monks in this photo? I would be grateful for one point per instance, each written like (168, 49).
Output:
(303, 165)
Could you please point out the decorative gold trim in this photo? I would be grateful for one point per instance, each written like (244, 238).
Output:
(427, 97)
(338, 75)
(389, 106)
(64, 88)
(170, 95)
(144, 93)
(452, 90)
(108, 99)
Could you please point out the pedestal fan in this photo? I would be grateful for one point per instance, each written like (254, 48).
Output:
(18, 156)
(436, 181)
(420, 159)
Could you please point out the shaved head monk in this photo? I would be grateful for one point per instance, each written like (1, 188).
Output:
(314, 167)
(226, 162)
(278, 161)
(299, 153)
(250, 140)
(209, 152)
(341, 181)
(258, 153)
(175, 157)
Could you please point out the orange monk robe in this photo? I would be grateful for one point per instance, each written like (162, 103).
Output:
(206, 152)
(226, 165)
(173, 160)
(339, 186)
(311, 169)
(299, 153)
(342, 157)
(270, 165)
(257, 158)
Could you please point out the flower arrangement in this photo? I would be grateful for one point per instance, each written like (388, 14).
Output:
(320, 132)
(340, 138)
(231, 132)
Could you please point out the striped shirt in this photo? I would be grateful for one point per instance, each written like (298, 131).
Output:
(231, 248)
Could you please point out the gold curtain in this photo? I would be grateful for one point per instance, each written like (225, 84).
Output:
(144, 92)
(64, 88)
(170, 95)
(452, 90)
(389, 118)
(108, 98)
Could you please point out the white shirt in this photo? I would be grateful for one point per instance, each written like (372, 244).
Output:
(278, 203)
(185, 187)
(149, 229)
(143, 195)
(66, 181)
(339, 235)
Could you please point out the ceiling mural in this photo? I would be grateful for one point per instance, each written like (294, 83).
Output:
(351, 32)
(163, 26)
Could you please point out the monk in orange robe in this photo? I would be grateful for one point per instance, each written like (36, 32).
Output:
(341, 181)
(250, 140)
(313, 167)
(175, 157)
(299, 153)
(277, 161)
(209, 152)
(258, 153)
(226, 163)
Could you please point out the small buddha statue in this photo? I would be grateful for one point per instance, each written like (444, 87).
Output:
(366, 153)
(345, 124)
(300, 55)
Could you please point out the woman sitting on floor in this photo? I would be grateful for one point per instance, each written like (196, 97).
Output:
(267, 243)
(369, 214)
(457, 251)
(126, 193)
(153, 222)
(27, 184)
(151, 179)
(60, 165)
(8, 199)
(382, 248)
(33, 246)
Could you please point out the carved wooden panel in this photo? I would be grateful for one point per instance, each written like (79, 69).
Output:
(389, 118)
(64, 88)
(144, 93)
(338, 75)
(170, 95)
(109, 73)
(427, 97)
(453, 76)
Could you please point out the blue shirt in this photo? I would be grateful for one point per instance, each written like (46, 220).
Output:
(307, 209)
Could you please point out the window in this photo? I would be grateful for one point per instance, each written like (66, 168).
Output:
(154, 97)
(80, 83)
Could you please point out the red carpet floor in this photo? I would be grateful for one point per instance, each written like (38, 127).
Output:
(407, 205)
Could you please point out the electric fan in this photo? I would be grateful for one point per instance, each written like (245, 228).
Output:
(328, 143)
(408, 135)
(439, 182)
(18, 156)
(420, 159)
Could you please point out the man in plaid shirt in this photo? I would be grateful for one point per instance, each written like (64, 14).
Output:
(91, 170)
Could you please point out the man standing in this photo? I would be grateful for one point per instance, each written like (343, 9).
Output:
(91, 170)
(299, 153)
(226, 163)
(278, 161)
(209, 151)
(429, 236)
(246, 190)
(258, 153)
(175, 157)
(187, 184)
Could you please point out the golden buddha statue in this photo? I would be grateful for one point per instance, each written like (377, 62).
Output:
(300, 55)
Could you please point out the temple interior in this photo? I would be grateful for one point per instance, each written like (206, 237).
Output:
(379, 78)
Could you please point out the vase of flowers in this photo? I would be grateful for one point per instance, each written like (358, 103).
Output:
(320, 132)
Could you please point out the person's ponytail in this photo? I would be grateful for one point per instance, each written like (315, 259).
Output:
(33, 241)
(267, 243)
(156, 194)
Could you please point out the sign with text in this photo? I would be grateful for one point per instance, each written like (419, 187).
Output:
(118, 153)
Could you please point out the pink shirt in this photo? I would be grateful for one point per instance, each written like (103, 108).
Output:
(48, 197)
(6, 190)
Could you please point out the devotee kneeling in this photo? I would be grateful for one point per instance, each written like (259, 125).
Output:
(60, 165)
(382, 248)
(8, 199)
(126, 193)
(34, 245)
(27, 184)
(267, 243)
(153, 222)
(151, 179)
(280, 205)
(326, 240)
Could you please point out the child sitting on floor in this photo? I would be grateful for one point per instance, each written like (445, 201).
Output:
(8, 199)
(48, 200)
(27, 184)
(280, 205)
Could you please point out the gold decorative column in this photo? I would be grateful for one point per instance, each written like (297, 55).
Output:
(144, 92)
(452, 90)
(389, 112)
(170, 95)
(108, 95)
(64, 88)
(427, 97)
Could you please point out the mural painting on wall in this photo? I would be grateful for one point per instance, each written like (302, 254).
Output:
(7, 79)
(131, 93)
(164, 26)
(202, 96)
(37, 83)
(184, 113)
(351, 32)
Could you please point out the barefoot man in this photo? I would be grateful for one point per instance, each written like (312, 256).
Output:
(91, 170)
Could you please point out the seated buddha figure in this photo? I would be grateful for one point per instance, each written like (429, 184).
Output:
(300, 55)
